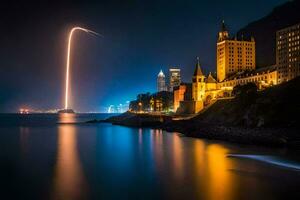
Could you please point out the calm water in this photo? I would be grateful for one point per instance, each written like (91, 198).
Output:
(40, 159)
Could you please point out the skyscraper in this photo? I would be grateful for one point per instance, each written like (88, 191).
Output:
(161, 82)
(288, 53)
(174, 78)
(233, 55)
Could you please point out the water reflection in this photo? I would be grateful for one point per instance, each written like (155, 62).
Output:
(157, 143)
(66, 118)
(220, 181)
(199, 167)
(178, 157)
(130, 163)
(140, 136)
(69, 180)
(24, 135)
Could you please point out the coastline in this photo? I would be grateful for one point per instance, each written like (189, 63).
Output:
(272, 137)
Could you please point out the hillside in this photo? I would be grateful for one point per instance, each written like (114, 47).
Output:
(268, 117)
(264, 30)
(278, 106)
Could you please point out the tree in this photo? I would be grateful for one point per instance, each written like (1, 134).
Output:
(246, 94)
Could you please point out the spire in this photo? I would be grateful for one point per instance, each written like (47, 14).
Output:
(161, 74)
(223, 29)
(198, 71)
(223, 34)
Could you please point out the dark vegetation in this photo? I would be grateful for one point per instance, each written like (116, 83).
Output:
(278, 106)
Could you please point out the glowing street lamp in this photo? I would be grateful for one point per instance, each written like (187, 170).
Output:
(68, 61)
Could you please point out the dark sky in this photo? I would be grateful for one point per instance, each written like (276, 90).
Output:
(140, 38)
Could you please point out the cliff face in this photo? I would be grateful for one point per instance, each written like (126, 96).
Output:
(278, 106)
(264, 30)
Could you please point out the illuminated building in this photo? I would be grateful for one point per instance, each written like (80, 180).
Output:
(288, 53)
(174, 78)
(203, 91)
(161, 82)
(180, 94)
(198, 87)
(156, 102)
(236, 66)
(233, 55)
(263, 78)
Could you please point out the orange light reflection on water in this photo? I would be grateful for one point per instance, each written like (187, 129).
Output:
(220, 183)
(178, 157)
(69, 179)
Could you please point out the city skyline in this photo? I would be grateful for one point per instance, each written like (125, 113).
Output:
(104, 59)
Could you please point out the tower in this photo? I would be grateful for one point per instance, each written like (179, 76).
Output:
(161, 82)
(198, 83)
(233, 55)
(223, 34)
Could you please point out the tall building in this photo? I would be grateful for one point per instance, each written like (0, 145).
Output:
(288, 53)
(161, 82)
(174, 78)
(233, 55)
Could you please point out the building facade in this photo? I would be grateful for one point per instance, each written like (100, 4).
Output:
(288, 53)
(204, 90)
(198, 86)
(174, 78)
(179, 93)
(233, 55)
(161, 82)
(263, 78)
(236, 66)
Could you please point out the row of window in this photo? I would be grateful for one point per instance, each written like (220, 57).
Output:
(294, 44)
(256, 79)
(292, 66)
(242, 43)
(293, 59)
(294, 54)
(294, 48)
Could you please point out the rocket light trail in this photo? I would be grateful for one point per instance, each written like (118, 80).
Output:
(68, 59)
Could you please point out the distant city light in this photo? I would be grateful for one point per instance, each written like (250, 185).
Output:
(24, 111)
(119, 108)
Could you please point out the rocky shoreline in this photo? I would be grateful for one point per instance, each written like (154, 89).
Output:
(273, 137)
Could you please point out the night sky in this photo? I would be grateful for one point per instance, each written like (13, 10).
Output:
(140, 38)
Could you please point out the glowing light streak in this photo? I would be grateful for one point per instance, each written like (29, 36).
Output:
(68, 59)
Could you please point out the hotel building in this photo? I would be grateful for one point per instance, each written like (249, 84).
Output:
(236, 65)
(288, 53)
(233, 55)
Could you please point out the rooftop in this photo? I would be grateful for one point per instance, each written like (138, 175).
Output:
(245, 74)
